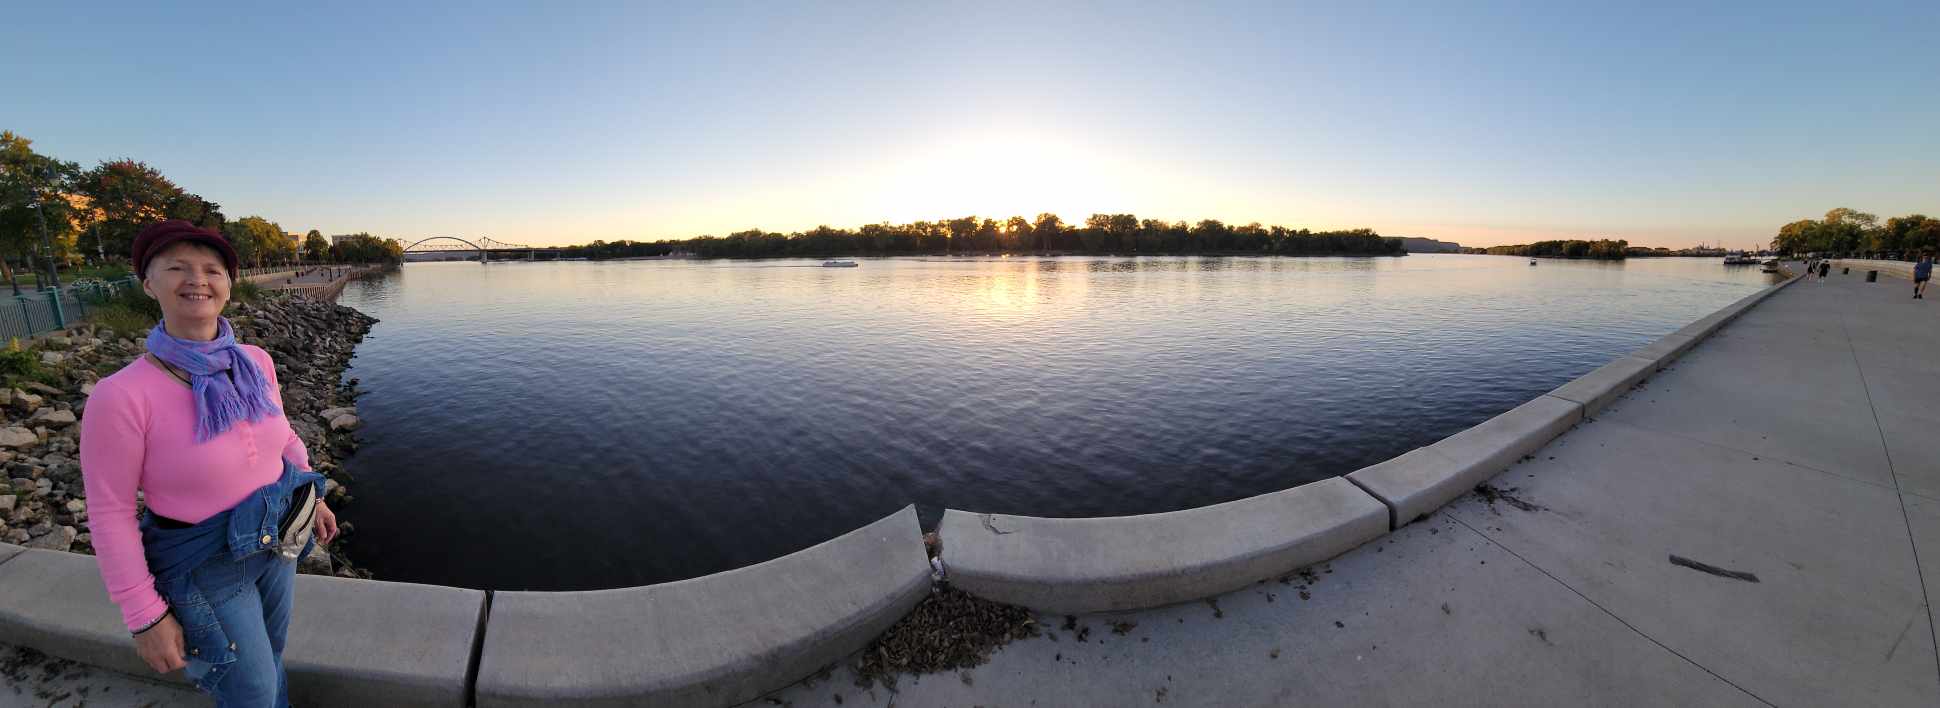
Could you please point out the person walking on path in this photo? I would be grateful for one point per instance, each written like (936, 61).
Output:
(205, 578)
(1922, 272)
(1824, 266)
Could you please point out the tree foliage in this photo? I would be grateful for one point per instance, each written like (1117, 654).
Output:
(1115, 234)
(315, 246)
(259, 241)
(1600, 249)
(365, 248)
(126, 195)
(32, 186)
(97, 212)
(1848, 231)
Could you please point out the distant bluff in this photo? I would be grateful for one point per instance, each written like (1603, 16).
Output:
(1412, 244)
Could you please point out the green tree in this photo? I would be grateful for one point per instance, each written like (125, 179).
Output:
(962, 233)
(196, 210)
(1800, 236)
(1018, 234)
(1913, 234)
(316, 247)
(1846, 230)
(128, 195)
(1209, 235)
(257, 240)
(365, 248)
(1049, 231)
(33, 190)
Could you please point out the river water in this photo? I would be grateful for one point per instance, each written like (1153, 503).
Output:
(579, 425)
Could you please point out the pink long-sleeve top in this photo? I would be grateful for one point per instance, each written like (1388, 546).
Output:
(138, 432)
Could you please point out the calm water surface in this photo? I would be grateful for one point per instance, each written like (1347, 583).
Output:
(556, 426)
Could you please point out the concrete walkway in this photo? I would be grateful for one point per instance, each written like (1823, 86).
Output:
(1787, 463)
(1795, 446)
(36, 680)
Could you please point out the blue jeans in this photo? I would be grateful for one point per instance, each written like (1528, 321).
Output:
(251, 598)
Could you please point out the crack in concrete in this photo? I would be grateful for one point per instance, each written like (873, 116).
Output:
(1902, 637)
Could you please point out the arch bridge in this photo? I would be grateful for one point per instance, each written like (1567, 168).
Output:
(485, 247)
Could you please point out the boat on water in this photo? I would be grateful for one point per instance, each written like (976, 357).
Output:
(1532, 261)
(840, 264)
(1771, 266)
(1739, 258)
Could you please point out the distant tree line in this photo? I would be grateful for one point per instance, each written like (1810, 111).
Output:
(1117, 234)
(1849, 232)
(1600, 249)
(92, 215)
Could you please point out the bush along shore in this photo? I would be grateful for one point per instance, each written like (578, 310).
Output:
(42, 500)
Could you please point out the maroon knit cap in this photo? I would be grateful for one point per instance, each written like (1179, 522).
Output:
(157, 237)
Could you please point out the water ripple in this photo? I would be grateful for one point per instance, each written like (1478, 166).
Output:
(585, 425)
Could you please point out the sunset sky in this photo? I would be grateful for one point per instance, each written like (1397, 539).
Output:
(556, 123)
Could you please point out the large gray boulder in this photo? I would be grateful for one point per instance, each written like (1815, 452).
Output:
(16, 436)
(60, 539)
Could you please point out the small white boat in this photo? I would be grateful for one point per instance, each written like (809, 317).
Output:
(840, 264)
(1739, 258)
(1532, 261)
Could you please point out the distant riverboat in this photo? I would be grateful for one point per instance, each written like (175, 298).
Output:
(840, 264)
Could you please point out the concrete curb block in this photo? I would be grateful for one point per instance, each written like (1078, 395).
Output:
(1421, 481)
(1665, 350)
(385, 642)
(54, 602)
(1133, 562)
(716, 640)
(1598, 388)
(1896, 269)
(362, 642)
(1704, 326)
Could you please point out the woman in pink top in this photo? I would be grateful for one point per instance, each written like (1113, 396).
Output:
(196, 425)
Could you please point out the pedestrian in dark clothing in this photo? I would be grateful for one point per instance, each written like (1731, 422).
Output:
(1922, 272)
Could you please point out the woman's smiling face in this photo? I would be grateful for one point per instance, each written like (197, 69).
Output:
(190, 281)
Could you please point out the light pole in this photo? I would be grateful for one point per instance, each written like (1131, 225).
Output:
(53, 270)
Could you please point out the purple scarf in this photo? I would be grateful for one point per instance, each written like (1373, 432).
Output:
(220, 400)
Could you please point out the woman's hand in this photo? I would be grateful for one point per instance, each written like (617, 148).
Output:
(326, 524)
(161, 647)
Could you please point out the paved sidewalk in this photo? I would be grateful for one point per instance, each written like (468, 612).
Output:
(1796, 446)
(29, 678)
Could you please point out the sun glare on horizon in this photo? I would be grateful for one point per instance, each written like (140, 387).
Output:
(1003, 174)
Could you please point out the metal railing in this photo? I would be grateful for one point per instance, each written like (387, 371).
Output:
(43, 311)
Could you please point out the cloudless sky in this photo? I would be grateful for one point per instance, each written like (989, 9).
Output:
(555, 123)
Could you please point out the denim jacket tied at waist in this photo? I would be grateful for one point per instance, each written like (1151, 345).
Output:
(245, 529)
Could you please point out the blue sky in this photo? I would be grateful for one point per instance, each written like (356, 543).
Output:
(563, 122)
